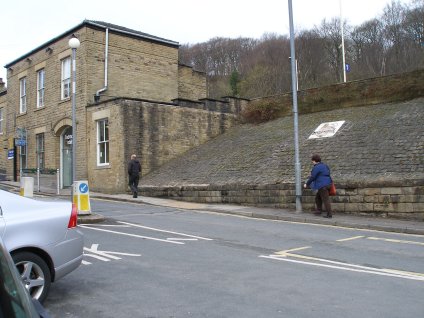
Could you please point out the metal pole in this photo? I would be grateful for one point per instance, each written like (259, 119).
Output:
(343, 46)
(74, 121)
(295, 112)
(38, 177)
(57, 181)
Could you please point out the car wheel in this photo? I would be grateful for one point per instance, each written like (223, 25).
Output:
(35, 274)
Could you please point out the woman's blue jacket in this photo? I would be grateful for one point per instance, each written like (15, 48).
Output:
(320, 176)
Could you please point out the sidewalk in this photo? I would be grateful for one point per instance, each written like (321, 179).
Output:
(342, 220)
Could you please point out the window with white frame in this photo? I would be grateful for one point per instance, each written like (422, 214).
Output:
(39, 139)
(40, 88)
(1, 120)
(66, 78)
(22, 104)
(102, 142)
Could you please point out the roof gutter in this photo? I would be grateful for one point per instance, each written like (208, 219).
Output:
(145, 36)
(97, 96)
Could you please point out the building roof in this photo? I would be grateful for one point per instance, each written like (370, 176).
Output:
(102, 25)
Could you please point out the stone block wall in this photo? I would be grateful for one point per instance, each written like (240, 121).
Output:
(155, 132)
(395, 200)
(191, 83)
(136, 68)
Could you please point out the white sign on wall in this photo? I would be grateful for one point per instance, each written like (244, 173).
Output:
(327, 129)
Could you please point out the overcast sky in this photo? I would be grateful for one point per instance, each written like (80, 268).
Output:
(27, 24)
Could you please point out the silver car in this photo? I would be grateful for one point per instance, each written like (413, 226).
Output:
(42, 238)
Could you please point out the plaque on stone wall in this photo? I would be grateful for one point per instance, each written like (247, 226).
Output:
(327, 129)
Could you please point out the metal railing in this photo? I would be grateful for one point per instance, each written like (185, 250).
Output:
(48, 179)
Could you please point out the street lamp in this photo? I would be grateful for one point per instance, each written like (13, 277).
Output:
(295, 112)
(74, 43)
(343, 44)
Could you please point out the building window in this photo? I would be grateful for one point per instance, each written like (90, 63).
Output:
(23, 157)
(1, 120)
(102, 142)
(22, 104)
(40, 88)
(39, 138)
(66, 78)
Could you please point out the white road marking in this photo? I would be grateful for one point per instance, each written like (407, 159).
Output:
(164, 231)
(107, 225)
(351, 238)
(283, 253)
(129, 234)
(100, 258)
(94, 249)
(181, 239)
(348, 267)
(395, 241)
(105, 256)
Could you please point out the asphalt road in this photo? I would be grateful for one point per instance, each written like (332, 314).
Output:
(150, 261)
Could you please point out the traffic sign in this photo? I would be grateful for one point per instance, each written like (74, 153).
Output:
(83, 187)
(20, 142)
(347, 67)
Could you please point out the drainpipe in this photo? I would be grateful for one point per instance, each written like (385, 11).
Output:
(97, 96)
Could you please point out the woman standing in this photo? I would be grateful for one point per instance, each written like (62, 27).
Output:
(320, 180)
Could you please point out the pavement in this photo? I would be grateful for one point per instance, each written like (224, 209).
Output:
(339, 219)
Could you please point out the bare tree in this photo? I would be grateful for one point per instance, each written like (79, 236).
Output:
(392, 42)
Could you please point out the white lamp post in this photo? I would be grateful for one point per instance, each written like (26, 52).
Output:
(343, 44)
(74, 43)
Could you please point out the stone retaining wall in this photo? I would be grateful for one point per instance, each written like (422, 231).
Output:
(396, 199)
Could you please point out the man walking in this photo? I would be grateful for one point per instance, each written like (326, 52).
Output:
(134, 169)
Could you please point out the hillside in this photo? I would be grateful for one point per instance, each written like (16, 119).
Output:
(376, 143)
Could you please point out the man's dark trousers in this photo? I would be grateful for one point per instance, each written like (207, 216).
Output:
(133, 183)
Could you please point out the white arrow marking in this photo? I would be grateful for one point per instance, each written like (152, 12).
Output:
(94, 250)
(104, 259)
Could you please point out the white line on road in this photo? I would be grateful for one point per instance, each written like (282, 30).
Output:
(369, 270)
(129, 234)
(292, 250)
(351, 238)
(108, 225)
(395, 241)
(164, 231)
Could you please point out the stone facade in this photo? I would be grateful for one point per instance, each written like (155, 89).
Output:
(111, 62)
(156, 132)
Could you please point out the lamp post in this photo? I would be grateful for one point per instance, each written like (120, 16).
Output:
(343, 44)
(295, 112)
(74, 43)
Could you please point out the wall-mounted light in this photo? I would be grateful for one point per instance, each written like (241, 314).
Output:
(29, 60)
(49, 50)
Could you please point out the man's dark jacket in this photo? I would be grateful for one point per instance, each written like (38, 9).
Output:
(134, 168)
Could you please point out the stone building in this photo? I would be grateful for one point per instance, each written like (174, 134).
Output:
(132, 96)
